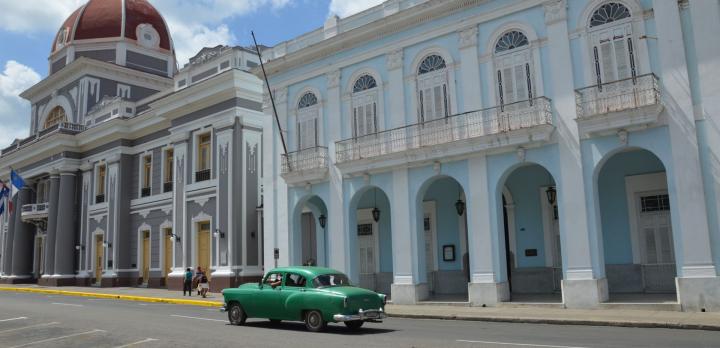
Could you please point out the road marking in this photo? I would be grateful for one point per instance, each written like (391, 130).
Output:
(519, 344)
(199, 318)
(58, 338)
(138, 343)
(67, 304)
(28, 327)
(11, 319)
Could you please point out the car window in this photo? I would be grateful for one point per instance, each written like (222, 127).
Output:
(326, 280)
(295, 280)
(273, 278)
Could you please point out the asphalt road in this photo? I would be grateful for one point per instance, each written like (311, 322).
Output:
(35, 320)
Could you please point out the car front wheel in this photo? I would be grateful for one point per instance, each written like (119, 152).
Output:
(314, 321)
(354, 324)
(236, 314)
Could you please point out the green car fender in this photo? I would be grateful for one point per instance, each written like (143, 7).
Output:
(328, 304)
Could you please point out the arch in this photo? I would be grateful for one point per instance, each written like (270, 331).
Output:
(511, 40)
(359, 73)
(355, 98)
(608, 13)
(364, 83)
(504, 28)
(431, 63)
(308, 109)
(443, 52)
(307, 100)
(586, 15)
(304, 251)
(58, 100)
(434, 94)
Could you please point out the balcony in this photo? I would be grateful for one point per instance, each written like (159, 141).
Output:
(100, 198)
(623, 104)
(36, 214)
(202, 175)
(145, 192)
(306, 165)
(509, 125)
(168, 186)
(62, 128)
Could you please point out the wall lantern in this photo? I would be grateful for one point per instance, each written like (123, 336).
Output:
(460, 205)
(173, 236)
(79, 247)
(551, 195)
(218, 233)
(107, 245)
(322, 220)
(375, 211)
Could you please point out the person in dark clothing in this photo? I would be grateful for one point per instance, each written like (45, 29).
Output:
(187, 282)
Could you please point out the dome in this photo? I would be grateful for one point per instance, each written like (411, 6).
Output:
(115, 20)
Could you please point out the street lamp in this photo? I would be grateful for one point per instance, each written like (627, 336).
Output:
(551, 195)
(173, 236)
(219, 233)
(322, 220)
(460, 205)
(79, 247)
(375, 211)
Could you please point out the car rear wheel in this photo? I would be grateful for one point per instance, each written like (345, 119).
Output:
(314, 321)
(236, 315)
(354, 324)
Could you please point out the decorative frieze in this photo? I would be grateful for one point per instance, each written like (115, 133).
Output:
(468, 37)
(555, 11)
(333, 79)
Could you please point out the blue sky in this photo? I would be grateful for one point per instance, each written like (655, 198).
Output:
(27, 28)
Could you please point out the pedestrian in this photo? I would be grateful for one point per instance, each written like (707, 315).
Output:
(204, 285)
(196, 280)
(187, 282)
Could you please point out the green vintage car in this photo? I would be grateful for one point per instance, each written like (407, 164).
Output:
(314, 295)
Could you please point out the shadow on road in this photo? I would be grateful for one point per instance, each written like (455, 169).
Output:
(336, 329)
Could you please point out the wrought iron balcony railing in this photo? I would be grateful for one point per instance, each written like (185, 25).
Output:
(145, 192)
(465, 126)
(168, 186)
(202, 175)
(100, 198)
(35, 209)
(62, 127)
(307, 159)
(616, 96)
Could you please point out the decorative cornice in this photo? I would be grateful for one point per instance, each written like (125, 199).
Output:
(555, 11)
(333, 79)
(468, 37)
(395, 59)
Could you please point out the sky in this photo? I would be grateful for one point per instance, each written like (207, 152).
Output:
(27, 29)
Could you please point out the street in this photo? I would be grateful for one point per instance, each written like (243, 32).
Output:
(37, 320)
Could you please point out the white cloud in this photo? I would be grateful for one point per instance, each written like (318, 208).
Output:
(189, 39)
(344, 8)
(14, 111)
(35, 16)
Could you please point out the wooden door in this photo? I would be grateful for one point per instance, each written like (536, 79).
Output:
(366, 246)
(203, 244)
(99, 251)
(168, 255)
(146, 257)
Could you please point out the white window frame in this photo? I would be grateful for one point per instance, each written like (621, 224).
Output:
(365, 98)
(141, 171)
(431, 80)
(526, 63)
(308, 113)
(450, 68)
(96, 173)
(637, 185)
(196, 154)
(163, 167)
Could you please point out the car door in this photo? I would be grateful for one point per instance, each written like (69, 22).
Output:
(266, 301)
(294, 285)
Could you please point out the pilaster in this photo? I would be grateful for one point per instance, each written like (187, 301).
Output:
(84, 242)
(111, 236)
(396, 88)
(583, 283)
(50, 234)
(470, 69)
(65, 233)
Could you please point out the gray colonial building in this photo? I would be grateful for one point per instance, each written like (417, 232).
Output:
(136, 170)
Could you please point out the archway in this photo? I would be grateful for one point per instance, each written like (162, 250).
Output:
(309, 235)
(532, 234)
(445, 257)
(635, 217)
(371, 239)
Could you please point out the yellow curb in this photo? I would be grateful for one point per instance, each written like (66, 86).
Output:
(116, 297)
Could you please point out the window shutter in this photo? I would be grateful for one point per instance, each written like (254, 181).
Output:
(598, 76)
(445, 101)
(607, 61)
(500, 89)
(422, 108)
(621, 58)
(631, 54)
(509, 87)
(438, 101)
(520, 83)
(315, 132)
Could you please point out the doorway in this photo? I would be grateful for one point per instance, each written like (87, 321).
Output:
(309, 239)
(146, 257)
(203, 243)
(39, 259)
(99, 251)
(168, 253)
(367, 249)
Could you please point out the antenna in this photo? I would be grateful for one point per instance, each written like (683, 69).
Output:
(272, 99)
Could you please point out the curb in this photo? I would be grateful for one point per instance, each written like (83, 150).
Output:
(633, 324)
(116, 297)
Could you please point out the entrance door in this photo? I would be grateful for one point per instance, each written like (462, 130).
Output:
(99, 251)
(168, 254)
(557, 252)
(309, 240)
(430, 256)
(146, 257)
(203, 243)
(656, 242)
(366, 245)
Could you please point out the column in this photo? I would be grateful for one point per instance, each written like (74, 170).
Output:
(180, 158)
(409, 285)
(65, 233)
(396, 88)
(487, 285)
(111, 236)
(470, 69)
(85, 252)
(706, 24)
(50, 234)
(335, 229)
(9, 238)
(584, 284)
(23, 241)
(223, 258)
(696, 272)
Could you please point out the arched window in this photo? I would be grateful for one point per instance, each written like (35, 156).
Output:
(56, 116)
(433, 88)
(307, 115)
(514, 68)
(613, 52)
(364, 104)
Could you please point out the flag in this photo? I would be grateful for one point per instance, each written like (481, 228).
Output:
(4, 193)
(17, 182)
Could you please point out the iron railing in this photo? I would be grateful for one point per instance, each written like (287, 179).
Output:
(469, 125)
(168, 186)
(100, 198)
(621, 95)
(306, 159)
(63, 127)
(145, 192)
(37, 208)
(202, 175)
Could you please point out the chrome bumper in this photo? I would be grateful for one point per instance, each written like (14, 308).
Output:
(370, 314)
(223, 309)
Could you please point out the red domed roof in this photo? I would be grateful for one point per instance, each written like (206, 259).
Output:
(103, 19)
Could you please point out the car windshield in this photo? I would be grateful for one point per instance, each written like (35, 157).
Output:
(326, 280)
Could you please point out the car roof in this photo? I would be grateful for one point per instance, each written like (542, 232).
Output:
(307, 271)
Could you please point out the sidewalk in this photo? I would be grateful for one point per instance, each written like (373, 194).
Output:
(599, 317)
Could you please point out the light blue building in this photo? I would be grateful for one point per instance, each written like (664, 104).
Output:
(494, 151)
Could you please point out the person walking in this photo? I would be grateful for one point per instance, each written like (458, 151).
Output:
(187, 282)
(196, 280)
(204, 285)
